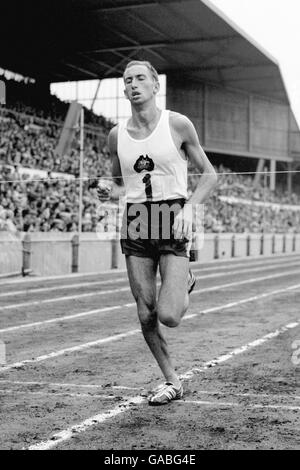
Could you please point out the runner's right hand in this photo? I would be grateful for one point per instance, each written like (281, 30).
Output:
(104, 189)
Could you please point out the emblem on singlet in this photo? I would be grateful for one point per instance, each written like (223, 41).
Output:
(145, 163)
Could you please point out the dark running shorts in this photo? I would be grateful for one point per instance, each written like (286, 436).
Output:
(147, 230)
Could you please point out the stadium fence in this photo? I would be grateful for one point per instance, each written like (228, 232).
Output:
(47, 254)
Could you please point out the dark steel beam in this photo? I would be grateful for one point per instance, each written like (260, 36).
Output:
(131, 40)
(117, 67)
(245, 79)
(190, 24)
(133, 5)
(209, 68)
(79, 69)
(96, 62)
(148, 25)
(173, 42)
(155, 30)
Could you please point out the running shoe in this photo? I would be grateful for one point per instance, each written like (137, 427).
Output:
(191, 282)
(165, 394)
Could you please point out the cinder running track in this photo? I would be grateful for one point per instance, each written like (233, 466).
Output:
(78, 370)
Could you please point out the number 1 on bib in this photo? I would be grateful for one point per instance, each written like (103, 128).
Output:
(148, 186)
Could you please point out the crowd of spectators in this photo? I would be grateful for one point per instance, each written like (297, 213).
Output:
(31, 145)
(47, 204)
(36, 101)
(239, 205)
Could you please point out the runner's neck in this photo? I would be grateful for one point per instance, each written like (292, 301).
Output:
(144, 119)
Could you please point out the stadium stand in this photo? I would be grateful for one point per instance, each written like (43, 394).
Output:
(28, 137)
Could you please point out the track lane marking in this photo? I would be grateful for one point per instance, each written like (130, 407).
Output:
(132, 304)
(125, 406)
(57, 394)
(123, 279)
(62, 352)
(230, 262)
(225, 357)
(67, 385)
(54, 385)
(224, 404)
(39, 290)
(129, 333)
(62, 299)
(127, 289)
(249, 395)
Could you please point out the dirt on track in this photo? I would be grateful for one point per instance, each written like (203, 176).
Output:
(250, 401)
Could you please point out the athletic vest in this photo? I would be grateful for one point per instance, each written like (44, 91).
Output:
(152, 168)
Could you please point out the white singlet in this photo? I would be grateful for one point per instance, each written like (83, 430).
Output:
(152, 168)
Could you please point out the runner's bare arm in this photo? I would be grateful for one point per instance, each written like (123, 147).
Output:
(189, 141)
(118, 189)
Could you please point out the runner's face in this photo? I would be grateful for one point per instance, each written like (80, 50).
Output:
(140, 86)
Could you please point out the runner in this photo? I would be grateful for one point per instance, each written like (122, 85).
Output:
(149, 155)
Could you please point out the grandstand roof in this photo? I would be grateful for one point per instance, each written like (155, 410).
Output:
(59, 40)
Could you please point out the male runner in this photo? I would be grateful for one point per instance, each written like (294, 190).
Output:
(149, 156)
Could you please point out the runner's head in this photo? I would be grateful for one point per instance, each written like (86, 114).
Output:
(141, 81)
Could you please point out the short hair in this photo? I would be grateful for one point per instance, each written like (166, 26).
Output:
(147, 64)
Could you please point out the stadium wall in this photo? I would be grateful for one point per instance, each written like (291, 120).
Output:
(234, 122)
(294, 139)
(47, 254)
(11, 253)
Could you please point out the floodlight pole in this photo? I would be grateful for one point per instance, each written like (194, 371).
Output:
(81, 171)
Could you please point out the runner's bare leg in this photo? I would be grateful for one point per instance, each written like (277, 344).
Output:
(173, 299)
(142, 278)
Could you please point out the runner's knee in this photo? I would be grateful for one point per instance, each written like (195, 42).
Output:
(146, 312)
(168, 317)
(148, 319)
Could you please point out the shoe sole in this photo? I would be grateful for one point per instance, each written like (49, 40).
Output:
(155, 403)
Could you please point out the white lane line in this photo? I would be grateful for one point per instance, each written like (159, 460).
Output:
(67, 434)
(132, 304)
(228, 263)
(62, 352)
(55, 394)
(51, 385)
(39, 290)
(245, 281)
(109, 339)
(29, 280)
(63, 299)
(65, 318)
(269, 396)
(245, 301)
(207, 365)
(66, 385)
(62, 287)
(224, 404)
(127, 289)
(79, 428)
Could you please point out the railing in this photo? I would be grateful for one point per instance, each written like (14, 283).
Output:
(64, 253)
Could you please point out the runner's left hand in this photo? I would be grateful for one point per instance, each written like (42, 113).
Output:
(183, 223)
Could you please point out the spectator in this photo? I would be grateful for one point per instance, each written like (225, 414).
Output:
(28, 138)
